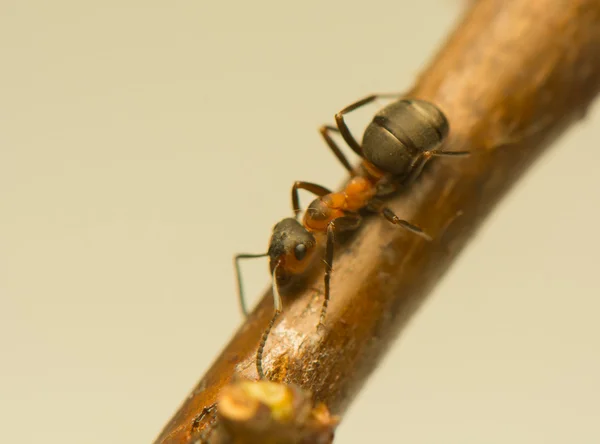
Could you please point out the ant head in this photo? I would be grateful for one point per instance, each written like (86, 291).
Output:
(292, 246)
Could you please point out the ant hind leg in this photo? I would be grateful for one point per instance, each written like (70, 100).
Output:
(343, 127)
(419, 163)
(377, 206)
(391, 216)
(442, 153)
(325, 130)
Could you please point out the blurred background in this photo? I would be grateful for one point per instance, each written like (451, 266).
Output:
(144, 143)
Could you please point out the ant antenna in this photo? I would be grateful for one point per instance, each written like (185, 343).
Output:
(278, 306)
(238, 274)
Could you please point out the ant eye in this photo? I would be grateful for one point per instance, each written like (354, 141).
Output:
(300, 251)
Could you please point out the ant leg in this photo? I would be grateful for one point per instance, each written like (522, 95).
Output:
(317, 190)
(416, 168)
(418, 164)
(442, 153)
(238, 276)
(390, 216)
(344, 223)
(378, 206)
(324, 130)
(341, 124)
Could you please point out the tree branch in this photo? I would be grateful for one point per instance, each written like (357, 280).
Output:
(511, 78)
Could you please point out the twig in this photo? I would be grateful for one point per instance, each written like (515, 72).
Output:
(511, 78)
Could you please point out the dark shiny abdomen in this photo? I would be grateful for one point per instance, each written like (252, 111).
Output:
(400, 132)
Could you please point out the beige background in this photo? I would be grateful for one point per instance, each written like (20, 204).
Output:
(143, 143)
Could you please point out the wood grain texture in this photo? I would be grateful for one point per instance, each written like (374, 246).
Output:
(512, 77)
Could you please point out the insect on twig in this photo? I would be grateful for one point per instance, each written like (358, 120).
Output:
(396, 145)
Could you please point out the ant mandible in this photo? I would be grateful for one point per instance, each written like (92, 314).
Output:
(397, 144)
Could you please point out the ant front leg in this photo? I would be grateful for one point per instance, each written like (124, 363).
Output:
(317, 190)
(238, 276)
(343, 128)
(344, 223)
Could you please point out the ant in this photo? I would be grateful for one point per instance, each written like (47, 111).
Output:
(396, 145)
(206, 411)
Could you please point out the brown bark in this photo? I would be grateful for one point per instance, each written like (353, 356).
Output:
(512, 77)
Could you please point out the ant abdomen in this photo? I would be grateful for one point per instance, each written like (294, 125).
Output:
(401, 132)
